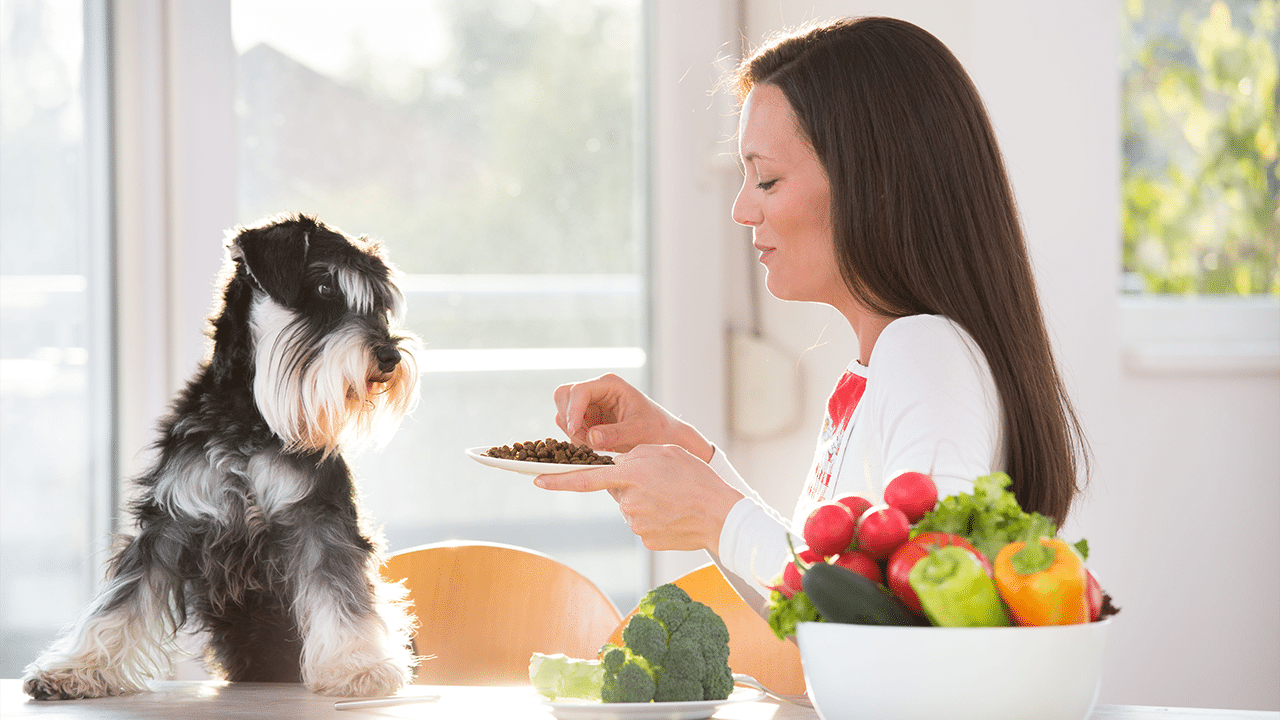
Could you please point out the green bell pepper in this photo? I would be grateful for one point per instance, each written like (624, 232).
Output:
(955, 590)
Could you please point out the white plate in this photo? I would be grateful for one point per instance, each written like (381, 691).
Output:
(698, 710)
(526, 467)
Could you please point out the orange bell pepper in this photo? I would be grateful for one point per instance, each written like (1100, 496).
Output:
(1043, 583)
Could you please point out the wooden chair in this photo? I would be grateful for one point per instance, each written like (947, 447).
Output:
(753, 648)
(484, 608)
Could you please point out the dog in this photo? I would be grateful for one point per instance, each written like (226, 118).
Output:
(248, 527)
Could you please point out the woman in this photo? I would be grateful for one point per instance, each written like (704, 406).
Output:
(873, 184)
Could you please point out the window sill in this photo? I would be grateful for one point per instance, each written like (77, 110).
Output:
(1170, 335)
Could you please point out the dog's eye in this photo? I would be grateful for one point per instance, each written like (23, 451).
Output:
(326, 291)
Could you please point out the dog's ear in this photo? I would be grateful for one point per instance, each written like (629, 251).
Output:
(275, 256)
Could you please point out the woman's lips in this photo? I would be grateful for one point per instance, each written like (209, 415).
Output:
(764, 252)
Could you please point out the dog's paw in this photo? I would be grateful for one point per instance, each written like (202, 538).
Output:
(369, 680)
(72, 683)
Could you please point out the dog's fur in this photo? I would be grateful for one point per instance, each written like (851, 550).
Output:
(248, 524)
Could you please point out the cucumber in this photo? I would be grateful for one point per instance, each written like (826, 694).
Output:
(843, 596)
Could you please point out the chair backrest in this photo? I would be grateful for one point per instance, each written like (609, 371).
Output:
(753, 648)
(483, 609)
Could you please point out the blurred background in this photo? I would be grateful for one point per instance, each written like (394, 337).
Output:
(553, 178)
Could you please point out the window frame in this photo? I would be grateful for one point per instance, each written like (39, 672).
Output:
(175, 178)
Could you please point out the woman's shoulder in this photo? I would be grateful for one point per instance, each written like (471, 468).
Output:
(929, 350)
(915, 333)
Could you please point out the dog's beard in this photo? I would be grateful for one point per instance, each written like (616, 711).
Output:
(324, 393)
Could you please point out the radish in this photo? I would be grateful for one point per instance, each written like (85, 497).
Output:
(859, 563)
(856, 504)
(790, 583)
(1093, 589)
(829, 528)
(913, 493)
(881, 529)
(809, 557)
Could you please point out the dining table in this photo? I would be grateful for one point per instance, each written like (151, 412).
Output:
(210, 700)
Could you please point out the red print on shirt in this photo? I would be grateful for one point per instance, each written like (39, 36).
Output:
(844, 399)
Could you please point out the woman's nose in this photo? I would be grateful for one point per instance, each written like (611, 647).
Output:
(745, 210)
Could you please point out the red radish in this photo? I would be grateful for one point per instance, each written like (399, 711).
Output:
(911, 552)
(1094, 591)
(859, 563)
(856, 504)
(790, 583)
(913, 493)
(829, 528)
(809, 557)
(881, 529)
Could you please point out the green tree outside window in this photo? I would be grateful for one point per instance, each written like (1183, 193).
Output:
(1200, 179)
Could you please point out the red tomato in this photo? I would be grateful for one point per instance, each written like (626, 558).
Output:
(913, 493)
(906, 556)
(861, 564)
(829, 528)
(881, 529)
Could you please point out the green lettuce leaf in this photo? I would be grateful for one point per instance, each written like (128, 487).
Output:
(558, 676)
(990, 517)
(785, 614)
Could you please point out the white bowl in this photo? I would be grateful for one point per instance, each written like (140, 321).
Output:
(908, 673)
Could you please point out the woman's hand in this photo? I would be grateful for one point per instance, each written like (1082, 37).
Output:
(609, 414)
(669, 498)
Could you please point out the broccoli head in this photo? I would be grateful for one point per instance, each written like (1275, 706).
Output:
(683, 643)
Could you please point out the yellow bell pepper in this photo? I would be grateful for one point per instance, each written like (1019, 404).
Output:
(1043, 583)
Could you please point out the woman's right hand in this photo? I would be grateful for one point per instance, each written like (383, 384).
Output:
(609, 414)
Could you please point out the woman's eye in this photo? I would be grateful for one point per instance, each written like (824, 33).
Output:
(766, 184)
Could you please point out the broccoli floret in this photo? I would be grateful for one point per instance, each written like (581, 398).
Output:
(672, 613)
(627, 677)
(683, 644)
(683, 673)
(719, 685)
(646, 637)
(670, 591)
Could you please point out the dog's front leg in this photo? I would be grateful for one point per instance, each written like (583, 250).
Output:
(354, 640)
(123, 638)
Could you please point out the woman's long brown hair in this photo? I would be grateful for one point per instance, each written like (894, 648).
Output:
(925, 219)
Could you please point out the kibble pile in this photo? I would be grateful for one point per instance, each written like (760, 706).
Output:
(550, 451)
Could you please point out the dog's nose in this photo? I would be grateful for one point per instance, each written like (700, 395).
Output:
(388, 357)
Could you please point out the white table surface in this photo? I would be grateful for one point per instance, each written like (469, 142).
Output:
(201, 700)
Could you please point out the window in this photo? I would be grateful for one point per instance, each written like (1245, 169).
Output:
(1200, 145)
(1201, 233)
(55, 320)
(493, 147)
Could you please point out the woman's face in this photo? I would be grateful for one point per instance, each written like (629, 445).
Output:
(786, 201)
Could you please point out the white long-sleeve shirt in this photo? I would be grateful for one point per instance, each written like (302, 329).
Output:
(927, 402)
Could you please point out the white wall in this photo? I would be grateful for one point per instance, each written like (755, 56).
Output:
(1181, 511)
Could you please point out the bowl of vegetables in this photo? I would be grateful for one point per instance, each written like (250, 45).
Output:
(891, 673)
(967, 607)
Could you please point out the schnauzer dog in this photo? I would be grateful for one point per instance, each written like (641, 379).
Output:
(248, 523)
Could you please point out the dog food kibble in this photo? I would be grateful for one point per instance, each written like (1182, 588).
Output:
(550, 451)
